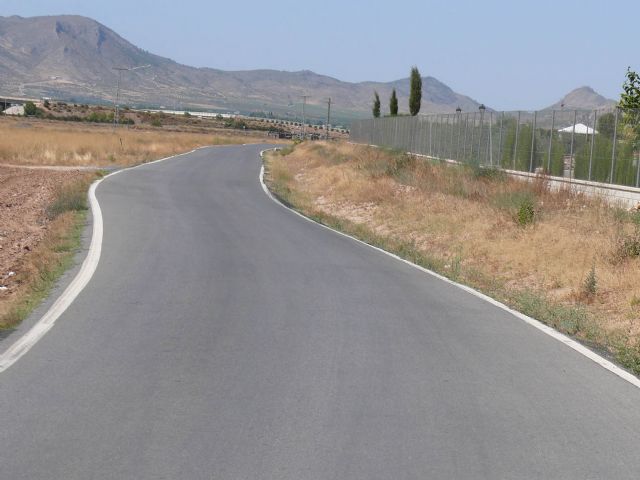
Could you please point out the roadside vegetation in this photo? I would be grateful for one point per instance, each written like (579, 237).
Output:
(36, 142)
(38, 258)
(570, 261)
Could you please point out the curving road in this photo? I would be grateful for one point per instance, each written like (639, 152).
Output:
(223, 337)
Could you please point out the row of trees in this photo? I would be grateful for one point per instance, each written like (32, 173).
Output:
(415, 97)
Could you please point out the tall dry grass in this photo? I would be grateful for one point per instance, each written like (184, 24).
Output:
(536, 249)
(32, 142)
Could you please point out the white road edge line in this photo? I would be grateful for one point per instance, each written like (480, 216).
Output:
(578, 347)
(89, 265)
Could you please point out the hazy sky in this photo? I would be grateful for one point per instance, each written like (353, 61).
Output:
(516, 54)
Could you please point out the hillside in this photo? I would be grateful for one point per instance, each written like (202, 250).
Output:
(583, 98)
(72, 58)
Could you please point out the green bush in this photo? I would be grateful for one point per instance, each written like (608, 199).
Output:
(520, 204)
(71, 197)
(30, 109)
(590, 285)
(526, 213)
(489, 173)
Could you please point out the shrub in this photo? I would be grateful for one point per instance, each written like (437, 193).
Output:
(590, 284)
(30, 109)
(71, 197)
(526, 212)
(489, 173)
(627, 246)
(156, 122)
(520, 204)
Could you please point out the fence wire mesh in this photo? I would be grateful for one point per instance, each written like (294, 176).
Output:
(595, 145)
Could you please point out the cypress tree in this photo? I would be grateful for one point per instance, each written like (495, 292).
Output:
(393, 103)
(415, 95)
(376, 105)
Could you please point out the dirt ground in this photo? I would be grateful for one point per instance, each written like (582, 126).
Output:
(24, 197)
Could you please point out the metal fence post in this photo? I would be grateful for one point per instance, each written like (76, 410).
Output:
(573, 134)
(533, 141)
(613, 149)
(435, 136)
(481, 150)
(593, 141)
(459, 124)
(515, 148)
(500, 140)
(452, 129)
(553, 125)
(491, 138)
(431, 136)
(637, 170)
(473, 128)
(464, 141)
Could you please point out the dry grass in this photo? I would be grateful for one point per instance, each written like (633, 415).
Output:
(48, 258)
(569, 260)
(34, 142)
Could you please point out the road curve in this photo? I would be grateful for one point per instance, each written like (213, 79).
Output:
(222, 337)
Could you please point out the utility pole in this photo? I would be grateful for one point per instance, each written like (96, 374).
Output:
(328, 117)
(116, 107)
(304, 126)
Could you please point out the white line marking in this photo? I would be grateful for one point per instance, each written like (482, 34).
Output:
(578, 347)
(89, 265)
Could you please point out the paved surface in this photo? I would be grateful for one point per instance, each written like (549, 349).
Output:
(223, 337)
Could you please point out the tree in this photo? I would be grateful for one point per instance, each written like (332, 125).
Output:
(30, 109)
(630, 98)
(393, 103)
(630, 106)
(376, 105)
(415, 95)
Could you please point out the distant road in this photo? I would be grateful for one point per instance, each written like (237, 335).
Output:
(223, 337)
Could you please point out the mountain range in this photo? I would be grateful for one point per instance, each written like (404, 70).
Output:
(73, 58)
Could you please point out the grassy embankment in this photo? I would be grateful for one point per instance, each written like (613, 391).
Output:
(569, 261)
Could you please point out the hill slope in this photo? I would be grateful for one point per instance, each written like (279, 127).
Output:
(72, 57)
(583, 98)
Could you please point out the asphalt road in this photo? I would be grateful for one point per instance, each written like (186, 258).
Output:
(223, 337)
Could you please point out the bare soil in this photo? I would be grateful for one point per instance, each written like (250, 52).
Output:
(24, 197)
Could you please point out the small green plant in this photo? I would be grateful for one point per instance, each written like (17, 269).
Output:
(627, 246)
(156, 122)
(590, 284)
(489, 173)
(526, 212)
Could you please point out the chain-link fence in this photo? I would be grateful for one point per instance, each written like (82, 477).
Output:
(596, 145)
